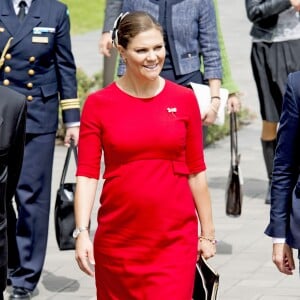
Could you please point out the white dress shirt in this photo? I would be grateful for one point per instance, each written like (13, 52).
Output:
(278, 240)
(17, 8)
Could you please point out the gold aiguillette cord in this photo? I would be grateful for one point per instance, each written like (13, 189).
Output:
(7, 45)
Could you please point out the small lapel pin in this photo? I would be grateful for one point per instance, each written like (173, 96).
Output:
(172, 109)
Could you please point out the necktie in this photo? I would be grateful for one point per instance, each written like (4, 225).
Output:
(22, 13)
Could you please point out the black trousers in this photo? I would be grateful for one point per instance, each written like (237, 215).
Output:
(3, 276)
(33, 205)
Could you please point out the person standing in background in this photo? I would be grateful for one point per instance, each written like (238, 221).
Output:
(284, 226)
(275, 53)
(37, 62)
(155, 188)
(189, 29)
(113, 9)
(233, 102)
(12, 138)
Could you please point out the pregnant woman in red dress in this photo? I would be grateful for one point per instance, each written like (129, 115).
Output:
(155, 190)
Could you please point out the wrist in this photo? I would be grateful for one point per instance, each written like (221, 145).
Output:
(278, 240)
(78, 230)
(209, 239)
(214, 105)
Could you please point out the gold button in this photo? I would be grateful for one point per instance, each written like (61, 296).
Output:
(2, 29)
(31, 58)
(8, 56)
(31, 72)
(29, 85)
(7, 69)
(29, 98)
(6, 82)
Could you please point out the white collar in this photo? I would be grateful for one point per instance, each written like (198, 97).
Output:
(16, 5)
(16, 2)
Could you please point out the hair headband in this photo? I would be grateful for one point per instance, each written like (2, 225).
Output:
(114, 34)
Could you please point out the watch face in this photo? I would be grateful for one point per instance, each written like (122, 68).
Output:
(76, 233)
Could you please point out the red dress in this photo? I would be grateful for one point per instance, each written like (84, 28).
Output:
(145, 245)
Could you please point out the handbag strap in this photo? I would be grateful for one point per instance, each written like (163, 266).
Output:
(72, 148)
(233, 139)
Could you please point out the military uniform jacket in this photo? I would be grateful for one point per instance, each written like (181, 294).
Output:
(37, 61)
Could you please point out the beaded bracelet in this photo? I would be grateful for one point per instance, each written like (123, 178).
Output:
(213, 241)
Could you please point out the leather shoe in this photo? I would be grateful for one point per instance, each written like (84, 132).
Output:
(19, 293)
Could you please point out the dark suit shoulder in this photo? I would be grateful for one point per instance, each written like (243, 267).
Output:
(53, 6)
(12, 115)
(294, 82)
(11, 98)
(56, 4)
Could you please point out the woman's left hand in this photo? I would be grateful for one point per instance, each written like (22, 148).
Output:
(71, 133)
(233, 103)
(206, 248)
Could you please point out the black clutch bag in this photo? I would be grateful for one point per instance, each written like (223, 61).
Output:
(64, 218)
(206, 281)
(234, 192)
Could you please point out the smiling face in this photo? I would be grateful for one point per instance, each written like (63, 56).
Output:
(144, 55)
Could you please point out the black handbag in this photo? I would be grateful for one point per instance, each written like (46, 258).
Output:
(206, 281)
(234, 192)
(64, 218)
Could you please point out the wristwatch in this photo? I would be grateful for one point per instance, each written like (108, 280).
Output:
(78, 230)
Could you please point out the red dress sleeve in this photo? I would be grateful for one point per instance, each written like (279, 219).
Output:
(89, 144)
(194, 141)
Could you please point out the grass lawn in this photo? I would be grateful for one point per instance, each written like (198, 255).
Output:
(86, 15)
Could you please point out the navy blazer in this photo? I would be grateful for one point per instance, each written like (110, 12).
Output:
(12, 137)
(285, 189)
(39, 63)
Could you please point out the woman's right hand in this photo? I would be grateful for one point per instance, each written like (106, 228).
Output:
(209, 117)
(295, 4)
(84, 253)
